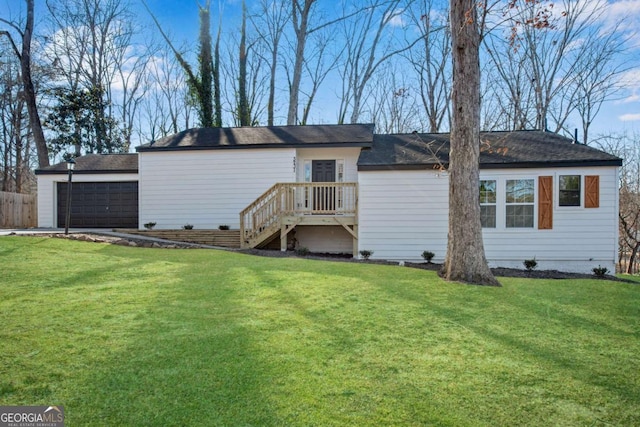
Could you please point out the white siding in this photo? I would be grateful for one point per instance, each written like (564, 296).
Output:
(47, 193)
(325, 239)
(207, 188)
(403, 213)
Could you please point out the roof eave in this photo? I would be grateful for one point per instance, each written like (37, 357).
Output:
(141, 149)
(514, 165)
(85, 172)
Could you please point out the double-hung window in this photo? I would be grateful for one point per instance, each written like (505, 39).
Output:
(488, 203)
(520, 199)
(569, 190)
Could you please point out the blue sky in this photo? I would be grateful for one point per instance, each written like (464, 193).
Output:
(180, 19)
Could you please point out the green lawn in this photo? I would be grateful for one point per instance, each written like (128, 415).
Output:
(145, 337)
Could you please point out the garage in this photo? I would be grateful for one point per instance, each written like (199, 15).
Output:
(104, 192)
(99, 204)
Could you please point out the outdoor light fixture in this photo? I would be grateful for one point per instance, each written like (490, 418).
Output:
(71, 163)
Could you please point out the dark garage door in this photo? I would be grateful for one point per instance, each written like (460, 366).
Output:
(99, 204)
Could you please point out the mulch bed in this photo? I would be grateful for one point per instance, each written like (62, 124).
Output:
(498, 272)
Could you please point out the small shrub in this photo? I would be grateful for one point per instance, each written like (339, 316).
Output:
(600, 271)
(428, 256)
(187, 227)
(366, 254)
(530, 264)
(149, 225)
(223, 227)
(302, 251)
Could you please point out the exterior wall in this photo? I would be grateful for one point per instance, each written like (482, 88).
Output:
(327, 239)
(47, 194)
(349, 155)
(324, 239)
(403, 213)
(207, 188)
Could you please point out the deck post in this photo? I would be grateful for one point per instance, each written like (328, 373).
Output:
(355, 241)
(283, 237)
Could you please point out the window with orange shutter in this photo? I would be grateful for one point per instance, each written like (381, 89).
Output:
(592, 191)
(545, 202)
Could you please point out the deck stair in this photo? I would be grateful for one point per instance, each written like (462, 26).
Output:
(285, 205)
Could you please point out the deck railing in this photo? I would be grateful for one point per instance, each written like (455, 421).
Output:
(291, 199)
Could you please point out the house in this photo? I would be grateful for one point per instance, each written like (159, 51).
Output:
(342, 189)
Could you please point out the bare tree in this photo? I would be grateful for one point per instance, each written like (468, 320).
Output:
(202, 84)
(269, 22)
(319, 64)
(508, 88)
(628, 148)
(431, 59)
(303, 13)
(369, 43)
(598, 69)
(465, 258)
(91, 46)
(15, 144)
(244, 115)
(24, 55)
(244, 79)
(552, 60)
(166, 105)
(394, 107)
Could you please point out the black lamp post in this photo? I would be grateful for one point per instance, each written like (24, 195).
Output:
(70, 165)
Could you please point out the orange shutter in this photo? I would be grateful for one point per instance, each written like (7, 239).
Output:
(545, 202)
(592, 193)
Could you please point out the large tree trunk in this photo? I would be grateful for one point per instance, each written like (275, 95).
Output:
(30, 92)
(465, 260)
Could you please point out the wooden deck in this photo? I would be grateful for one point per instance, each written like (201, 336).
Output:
(286, 205)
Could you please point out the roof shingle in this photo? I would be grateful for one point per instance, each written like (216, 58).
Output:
(359, 135)
(517, 149)
(96, 163)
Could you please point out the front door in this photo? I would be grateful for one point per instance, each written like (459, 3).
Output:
(323, 197)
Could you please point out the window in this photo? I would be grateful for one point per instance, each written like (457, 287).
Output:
(488, 203)
(339, 170)
(307, 171)
(569, 190)
(519, 203)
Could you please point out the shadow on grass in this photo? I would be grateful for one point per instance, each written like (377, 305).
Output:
(190, 360)
(576, 357)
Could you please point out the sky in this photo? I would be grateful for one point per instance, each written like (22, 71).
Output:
(180, 19)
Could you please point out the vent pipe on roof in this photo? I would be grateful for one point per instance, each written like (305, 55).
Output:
(575, 136)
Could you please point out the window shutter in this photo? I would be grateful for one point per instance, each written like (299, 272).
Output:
(592, 191)
(545, 202)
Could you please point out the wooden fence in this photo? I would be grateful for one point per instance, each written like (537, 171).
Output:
(18, 210)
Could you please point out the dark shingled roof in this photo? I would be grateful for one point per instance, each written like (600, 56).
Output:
(96, 163)
(358, 135)
(518, 149)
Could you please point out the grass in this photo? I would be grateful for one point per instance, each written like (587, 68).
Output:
(146, 337)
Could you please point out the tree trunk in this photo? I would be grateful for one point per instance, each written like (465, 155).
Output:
(300, 28)
(244, 115)
(205, 59)
(632, 258)
(30, 92)
(465, 260)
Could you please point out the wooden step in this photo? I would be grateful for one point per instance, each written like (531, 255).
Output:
(223, 238)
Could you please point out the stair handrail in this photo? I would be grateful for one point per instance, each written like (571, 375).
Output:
(261, 208)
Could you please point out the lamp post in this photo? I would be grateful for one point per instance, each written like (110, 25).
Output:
(70, 165)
